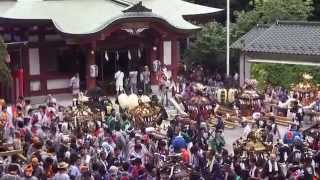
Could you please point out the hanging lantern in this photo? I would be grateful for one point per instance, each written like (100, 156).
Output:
(129, 55)
(106, 55)
(139, 53)
(8, 58)
(155, 48)
(117, 56)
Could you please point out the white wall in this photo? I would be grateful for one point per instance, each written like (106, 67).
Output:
(57, 84)
(241, 70)
(35, 85)
(245, 68)
(167, 54)
(34, 62)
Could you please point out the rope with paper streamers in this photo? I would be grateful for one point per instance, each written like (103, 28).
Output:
(107, 58)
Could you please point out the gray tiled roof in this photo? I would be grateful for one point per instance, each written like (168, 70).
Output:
(249, 37)
(285, 37)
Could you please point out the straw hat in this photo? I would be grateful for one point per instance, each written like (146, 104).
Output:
(63, 165)
(113, 170)
(34, 161)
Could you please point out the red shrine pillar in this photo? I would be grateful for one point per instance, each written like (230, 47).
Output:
(21, 80)
(90, 60)
(175, 57)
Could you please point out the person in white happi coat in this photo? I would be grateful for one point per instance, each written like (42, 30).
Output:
(133, 80)
(75, 84)
(119, 76)
(247, 128)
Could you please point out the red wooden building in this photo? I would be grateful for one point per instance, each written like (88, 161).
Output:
(50, 40)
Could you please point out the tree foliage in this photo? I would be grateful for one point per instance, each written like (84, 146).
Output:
(209, 46)
(5, 74)
(269, 11)
(283, 75)
(316, 11)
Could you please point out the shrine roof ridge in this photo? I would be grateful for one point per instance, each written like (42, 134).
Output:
(282, 37)
(68, 15)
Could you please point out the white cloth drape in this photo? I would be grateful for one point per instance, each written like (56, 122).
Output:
(106, 56)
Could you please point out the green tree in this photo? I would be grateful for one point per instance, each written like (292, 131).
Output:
(283, 75)
(269, 11)
(209, 48)
(316, 12)
(5, 74)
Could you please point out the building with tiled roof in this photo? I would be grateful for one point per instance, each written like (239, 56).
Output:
(50, 40)
(285, 42)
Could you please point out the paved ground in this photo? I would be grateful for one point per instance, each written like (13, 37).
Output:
(233, 134)
(62, 99)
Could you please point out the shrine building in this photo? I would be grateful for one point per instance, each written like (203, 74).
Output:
(49, 41)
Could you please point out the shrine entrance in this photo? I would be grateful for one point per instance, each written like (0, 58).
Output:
(125, 59)
(127, 52)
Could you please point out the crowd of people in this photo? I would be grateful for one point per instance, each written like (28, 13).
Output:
(114, 148)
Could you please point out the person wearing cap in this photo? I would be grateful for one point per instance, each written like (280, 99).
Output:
(179, 143)
(62, 173)
(12, 174)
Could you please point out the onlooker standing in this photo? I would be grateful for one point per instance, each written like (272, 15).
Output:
(75, 84)
(133, 75)
(119, 76)
(146, 80)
